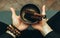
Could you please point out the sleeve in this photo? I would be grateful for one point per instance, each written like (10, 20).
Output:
(52, 35)
(6, 35)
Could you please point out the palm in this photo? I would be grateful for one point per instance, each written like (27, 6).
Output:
(17, 21)
(41, 23)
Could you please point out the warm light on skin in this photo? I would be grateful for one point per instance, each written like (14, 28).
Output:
(42, 26)
(13, 11)
(43, 10)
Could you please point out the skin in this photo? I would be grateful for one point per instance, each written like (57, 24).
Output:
(17, 21)
(42, 26)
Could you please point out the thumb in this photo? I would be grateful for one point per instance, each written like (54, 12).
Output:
(13, 11)
(44, 13)
(45, 19)
(43, 10)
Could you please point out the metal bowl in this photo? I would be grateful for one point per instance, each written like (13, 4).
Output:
(29, 13)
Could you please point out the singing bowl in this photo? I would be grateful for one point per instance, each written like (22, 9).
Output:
(28, 14)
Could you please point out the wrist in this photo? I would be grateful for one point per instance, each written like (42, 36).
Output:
(45, 29)
(13, 31)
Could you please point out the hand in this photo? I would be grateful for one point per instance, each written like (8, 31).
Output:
(42, 26)
(17, 21)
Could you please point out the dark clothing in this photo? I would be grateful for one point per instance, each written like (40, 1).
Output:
(26, 34)
(52, 35)
(54, 23)
(30, 35)
(3, 27)
(5, 35)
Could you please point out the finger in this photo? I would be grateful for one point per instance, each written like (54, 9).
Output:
(43, 10)
(13, 11)
(9, 25)
(45, 19)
